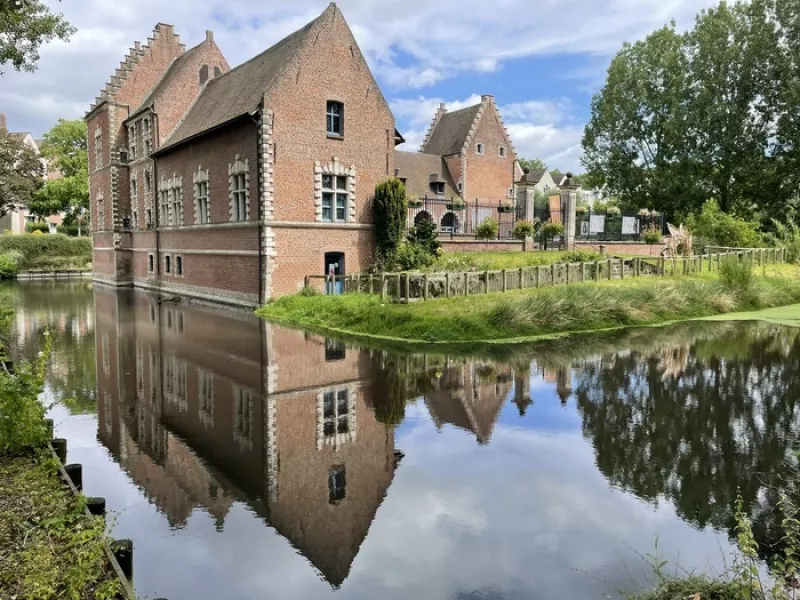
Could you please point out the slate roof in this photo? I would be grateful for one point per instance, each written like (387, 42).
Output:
(171, 72)
(240, 90)
(451, 131)
(417, 169)
(534, 175)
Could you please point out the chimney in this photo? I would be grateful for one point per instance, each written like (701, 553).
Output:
(486, 98)
(209, 35)
(3, 123)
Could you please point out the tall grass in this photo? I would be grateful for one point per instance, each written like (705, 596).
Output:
(532, 313)
(45, 252)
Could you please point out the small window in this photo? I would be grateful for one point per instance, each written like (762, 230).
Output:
(148, 182)
(335, 119)
(202, 202)
(334, 198)
(167, 264)
(217, 71)
(132, 142)
(148, 217)
(239, 197)
(337, 484)
(438, 188)
(203, 74)
(479, 149)
(151, 263)
(460, 186)
(501, 152)
(178, 265)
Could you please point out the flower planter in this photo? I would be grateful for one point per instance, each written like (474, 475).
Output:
(456, 206)
(505, 209)
(415, 204)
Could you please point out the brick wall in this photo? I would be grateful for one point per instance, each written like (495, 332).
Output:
(476, 246)
(489, 177)
(637, 248)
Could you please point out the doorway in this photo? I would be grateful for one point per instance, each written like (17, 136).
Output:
(334, 271)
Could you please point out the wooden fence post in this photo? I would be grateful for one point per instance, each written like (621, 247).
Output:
(425, 286)
(661, 266)
(447, 284)
(538, 275)
(567, 266)
(521, 276)
(583, 272)
(399, 288)
(383, 285)
(553, 274)
(486, 283)
(609, 269)
(408, 288)
(622, 268)
(505, 281)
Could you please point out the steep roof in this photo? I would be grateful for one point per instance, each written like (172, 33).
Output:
(416, 168)
(240, 90)
(451, 131)
(534, 175)
(165, 80)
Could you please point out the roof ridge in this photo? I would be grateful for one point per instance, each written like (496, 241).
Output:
(440, 112)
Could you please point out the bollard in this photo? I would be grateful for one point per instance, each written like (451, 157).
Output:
(75, 474)
(96, 506)
(123, 552)
(60, 446)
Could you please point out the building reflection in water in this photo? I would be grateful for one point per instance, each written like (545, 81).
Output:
(205, 406)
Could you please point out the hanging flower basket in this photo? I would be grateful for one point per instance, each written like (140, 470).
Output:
(643, 212)
(415, 203)
(505, 208)
(456, 204)
(581, 210)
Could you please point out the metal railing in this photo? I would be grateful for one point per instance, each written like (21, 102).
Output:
(454, 218)
(416, 286)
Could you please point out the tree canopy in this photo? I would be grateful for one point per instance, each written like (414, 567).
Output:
(713, 112)
(531, 164)
(20, 172)
(65, 147)
(24, 26)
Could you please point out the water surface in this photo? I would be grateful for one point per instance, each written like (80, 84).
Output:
(247, 460)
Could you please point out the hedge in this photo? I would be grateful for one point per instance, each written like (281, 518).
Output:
(33, 247)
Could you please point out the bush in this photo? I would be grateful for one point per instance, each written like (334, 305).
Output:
(426, 236)
(31, 227)
(581, 256)
(391, 213)
(487, 229)
(522, 229)
(651, 235)
(411, 256)
(35, 247)
(550, 230)
(10, 264)
(72, 230)
(719, 228)
(786, 235)
(309, 291)
(736, 275)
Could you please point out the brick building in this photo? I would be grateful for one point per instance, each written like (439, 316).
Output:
(233, 184)
(468, 154)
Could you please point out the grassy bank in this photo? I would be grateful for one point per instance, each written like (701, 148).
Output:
(520, 315)
(493, 261)
(32, 252)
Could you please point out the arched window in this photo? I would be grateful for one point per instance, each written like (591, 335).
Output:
(203, 74)
(449, 223)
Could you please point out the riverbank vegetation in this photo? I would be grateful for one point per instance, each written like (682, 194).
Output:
(49, 547)
(39, 252)
(522, 314)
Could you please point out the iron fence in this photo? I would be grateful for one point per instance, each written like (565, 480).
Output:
(454, 219)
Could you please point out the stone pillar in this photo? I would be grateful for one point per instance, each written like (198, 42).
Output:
(569, 203)
(525, 198)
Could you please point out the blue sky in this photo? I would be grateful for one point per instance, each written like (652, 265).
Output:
(541, 60)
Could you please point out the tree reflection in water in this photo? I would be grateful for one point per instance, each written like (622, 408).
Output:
(698, 422)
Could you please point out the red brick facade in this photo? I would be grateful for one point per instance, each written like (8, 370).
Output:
(277, 152)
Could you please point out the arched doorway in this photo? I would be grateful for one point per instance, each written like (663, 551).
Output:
(421, 216)
(449, 223)
(334, 267)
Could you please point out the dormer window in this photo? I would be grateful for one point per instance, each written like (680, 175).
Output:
(335, 119)
(438, 188)
(479, 149)
(501, 151)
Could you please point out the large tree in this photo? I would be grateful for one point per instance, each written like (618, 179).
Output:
(531, 164)
(24, 26)
(20, 172)
(65, 148)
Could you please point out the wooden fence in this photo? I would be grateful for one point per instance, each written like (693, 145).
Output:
(415, 286)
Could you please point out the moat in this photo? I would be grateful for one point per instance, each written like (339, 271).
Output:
(247, 460)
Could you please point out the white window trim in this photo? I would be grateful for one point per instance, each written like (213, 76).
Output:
(174, 200)
(238, 167)
(134, 193)
(335, 168)
(201, 177)
(338, 439)
(98, 148)
(147, 136)
(101, 212)
(132, 142)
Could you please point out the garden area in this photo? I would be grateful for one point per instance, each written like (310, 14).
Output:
(41, 252)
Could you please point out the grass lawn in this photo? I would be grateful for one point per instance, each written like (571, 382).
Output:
(522, 315)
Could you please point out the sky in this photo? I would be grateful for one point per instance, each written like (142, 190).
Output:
(541, 60)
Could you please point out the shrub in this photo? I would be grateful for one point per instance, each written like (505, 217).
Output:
(390, 216)
(786, 235)
(411, 256)
(10, 264)
(309, 291)
(736, 275)
(487, 229)
(522, 229)
(580, 256)
(550, 230)
(37, 232)
(72, 230)
(425, 235)
(31, 227)
(35, 247)
(719, 228)
(651, 235)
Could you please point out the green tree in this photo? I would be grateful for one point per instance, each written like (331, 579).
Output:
(425, 236)
(556, 174)
(719, 228)
(24, 26)
(390, 217)
(531, 164)
(487, 229)
(65, 147)
(636, 137)
(20, 172)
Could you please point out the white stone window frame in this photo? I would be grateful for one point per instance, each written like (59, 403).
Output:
(151, 262)
(205, 395)
(176, 260)
(479, 148)
(336, 440)
(101, 212)
(98, 148)
(134, 192)
(335, 168)
(147, 136)
(237, 168)
(200, 181)
(132, 142)
(243, 396)
(171, 205)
